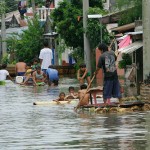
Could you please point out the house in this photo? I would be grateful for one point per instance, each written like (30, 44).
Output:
(14, 24)
(134, 48)
(134, 30)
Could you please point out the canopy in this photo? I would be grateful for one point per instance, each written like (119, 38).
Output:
(131, 48)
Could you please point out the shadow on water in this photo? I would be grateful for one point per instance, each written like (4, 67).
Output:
(24, 126)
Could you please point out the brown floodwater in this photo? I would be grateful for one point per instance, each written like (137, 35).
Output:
(25, 126)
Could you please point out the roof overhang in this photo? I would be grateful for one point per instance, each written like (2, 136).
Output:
(124, 28)
(113, 17)
(50, 35)
(131, 48)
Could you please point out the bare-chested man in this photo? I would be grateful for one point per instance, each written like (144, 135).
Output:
(20, 68)
(83, 96)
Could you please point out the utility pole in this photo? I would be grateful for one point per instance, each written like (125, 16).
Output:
(87, 53)
(3, 30)
(33, 7)
(146, 37)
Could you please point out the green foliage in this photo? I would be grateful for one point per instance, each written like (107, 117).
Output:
(95, 29)
(96, 3)
(126, 60)
(5, 59)
(30, 42)
(65, 18)
(2, 82)
(8, 6)
(11, 47)
(37, 2)
(134, 13)
(70, 29)
(2, 7)
(11, 5)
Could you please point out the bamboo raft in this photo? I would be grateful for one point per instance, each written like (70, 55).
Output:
(129, 104)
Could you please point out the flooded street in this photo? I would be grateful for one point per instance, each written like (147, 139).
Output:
(25, 126)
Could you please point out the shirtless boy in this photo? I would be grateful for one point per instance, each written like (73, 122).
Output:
(62, 98)
(72, 94)
(83, 96)
(20, 68)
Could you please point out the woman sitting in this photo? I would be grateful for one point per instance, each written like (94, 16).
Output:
(39, 77)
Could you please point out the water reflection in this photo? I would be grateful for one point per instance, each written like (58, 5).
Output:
(24, 126)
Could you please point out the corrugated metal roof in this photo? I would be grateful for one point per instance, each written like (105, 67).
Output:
(10, 31)
(131, 48)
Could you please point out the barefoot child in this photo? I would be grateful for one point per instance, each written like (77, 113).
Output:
(83, 96)
(28, 74)
(62, 97)
(72, 94)
(83, 74)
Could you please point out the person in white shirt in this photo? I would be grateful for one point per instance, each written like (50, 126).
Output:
(45, 57)
(4, 73)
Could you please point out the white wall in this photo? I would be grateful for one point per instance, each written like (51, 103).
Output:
(57, 3)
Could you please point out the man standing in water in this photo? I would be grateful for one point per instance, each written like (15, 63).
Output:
(20, 67)
(111, 83)
(45, 57)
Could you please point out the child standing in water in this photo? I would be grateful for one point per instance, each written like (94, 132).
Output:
(83, 74)
(4, 73)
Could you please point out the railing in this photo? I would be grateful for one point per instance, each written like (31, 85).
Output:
(43, 13)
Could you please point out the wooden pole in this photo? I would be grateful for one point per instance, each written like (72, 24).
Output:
(33, 7)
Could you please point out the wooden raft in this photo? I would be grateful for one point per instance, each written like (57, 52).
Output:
(145, 92)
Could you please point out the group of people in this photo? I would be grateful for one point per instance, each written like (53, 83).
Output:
(111, 85)
(41, 71)
(81, 95)
(44, 72)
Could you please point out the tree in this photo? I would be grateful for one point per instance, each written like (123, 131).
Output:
(134, 13)
(69, 27)
(11, 5)
(30, 42)
(94, 29)
(65, 18)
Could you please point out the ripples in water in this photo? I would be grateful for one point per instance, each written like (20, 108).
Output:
(24, 126)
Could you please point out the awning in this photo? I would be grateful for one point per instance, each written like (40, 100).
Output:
(131, 48)
(124, 27)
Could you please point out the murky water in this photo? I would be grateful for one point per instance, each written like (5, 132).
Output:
(24, 126)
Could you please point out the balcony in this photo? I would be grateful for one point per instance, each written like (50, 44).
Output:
(43, 13)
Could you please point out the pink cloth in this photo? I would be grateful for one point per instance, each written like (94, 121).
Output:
(125, 42)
